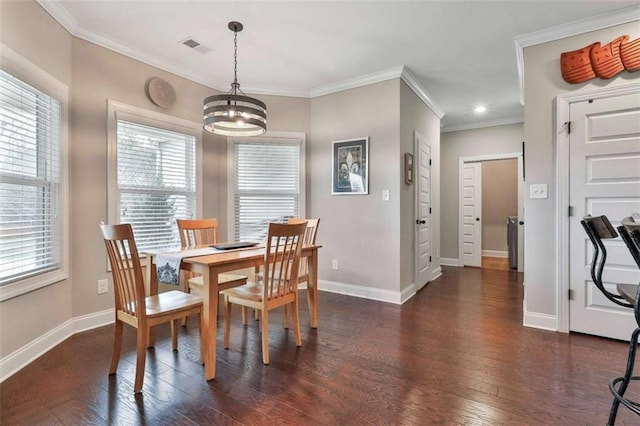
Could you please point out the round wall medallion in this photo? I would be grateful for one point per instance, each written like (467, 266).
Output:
(160, 92)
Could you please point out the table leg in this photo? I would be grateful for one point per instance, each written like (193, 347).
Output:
(209, 320)
(312, 289)
(151, 289)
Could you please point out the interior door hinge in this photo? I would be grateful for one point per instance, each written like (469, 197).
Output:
(570, 294)
(568, 127)
(429, 161)
(429, 259)
(429, 210)
(570, 211)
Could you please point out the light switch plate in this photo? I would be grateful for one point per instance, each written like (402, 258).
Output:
(385, 195)
(538, 191)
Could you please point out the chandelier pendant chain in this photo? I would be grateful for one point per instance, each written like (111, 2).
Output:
(235, 84)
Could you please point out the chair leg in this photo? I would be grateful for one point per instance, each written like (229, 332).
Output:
(286, 317)
(142, 353)
(244, 315)
(633, 345)
(296, 323)
(117, 347)
(174, 334)
(265, 336)
(227, 321)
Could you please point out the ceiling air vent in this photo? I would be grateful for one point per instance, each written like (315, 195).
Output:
(190, 43)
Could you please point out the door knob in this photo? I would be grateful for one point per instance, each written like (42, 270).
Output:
(477, 219)
(420, 222)
(521, 222)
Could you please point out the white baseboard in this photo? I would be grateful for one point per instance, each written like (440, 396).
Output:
(15, 361)
(407, 293)
(538, 320)
(366, 292)
(449, 261)
(22, 357)
(437, 273)
(495, 253)
(94, 320)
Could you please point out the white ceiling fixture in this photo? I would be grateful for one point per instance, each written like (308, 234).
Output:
(234, 113)
(457, 51)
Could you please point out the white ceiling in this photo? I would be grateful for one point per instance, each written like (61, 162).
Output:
(461, 52)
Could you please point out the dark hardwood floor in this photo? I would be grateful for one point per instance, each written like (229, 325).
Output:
(455, 353)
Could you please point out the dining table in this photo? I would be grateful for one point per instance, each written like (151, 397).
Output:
(218, 262)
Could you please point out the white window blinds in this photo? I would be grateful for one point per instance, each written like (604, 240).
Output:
(156, 179)
(266, 186)
(30, 186)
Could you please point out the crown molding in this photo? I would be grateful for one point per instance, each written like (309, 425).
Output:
(482, 124)
(409, 78)
(60, 14)
(352, 83)
(606, 20)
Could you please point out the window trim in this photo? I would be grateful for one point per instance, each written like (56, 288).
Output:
(268, 137)
(120, 111)
(20, 67)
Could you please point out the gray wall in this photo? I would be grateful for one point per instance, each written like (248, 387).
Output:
(468, 143)
(360, 231)
(543, 83)
(499, 200)
(94, 75)
(26, 29)
(416, 116)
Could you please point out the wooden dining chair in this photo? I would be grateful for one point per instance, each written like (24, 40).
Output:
(310, 234)
(202, 232)
(133, 307)
(303, 275)
(279, 286)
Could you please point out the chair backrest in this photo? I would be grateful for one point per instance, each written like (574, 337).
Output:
(630, 233)
(126, 270)
(282, 259)
(198, 232)
(599, 228)
(309, 238)
(312, 228)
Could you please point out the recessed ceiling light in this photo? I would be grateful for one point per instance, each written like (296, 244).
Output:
(480, 109)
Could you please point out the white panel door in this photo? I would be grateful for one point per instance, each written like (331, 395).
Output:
(423, 222)
(604, 179)
(471, 188)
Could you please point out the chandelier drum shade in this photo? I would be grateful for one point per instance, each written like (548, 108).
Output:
(234, 113)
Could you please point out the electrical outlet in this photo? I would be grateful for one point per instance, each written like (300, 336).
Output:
(334, 264)
(103, 286)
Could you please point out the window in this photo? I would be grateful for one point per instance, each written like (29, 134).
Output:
(267, 183)
(155, 177)
(32, 177)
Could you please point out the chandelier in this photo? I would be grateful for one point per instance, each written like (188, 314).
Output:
(234, 113)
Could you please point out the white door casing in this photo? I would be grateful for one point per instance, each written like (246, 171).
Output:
(423, 210)
(471, 211)
(520, 215)
(604, 178)
(464, 162)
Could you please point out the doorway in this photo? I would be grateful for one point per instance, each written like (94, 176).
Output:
(491, 196)
(599, 171)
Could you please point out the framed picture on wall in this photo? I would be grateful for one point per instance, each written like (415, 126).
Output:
(350, 167)
(408, 168)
